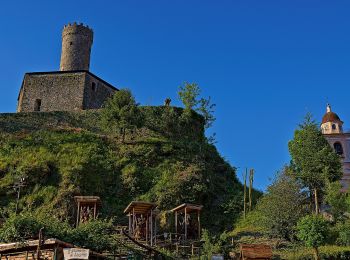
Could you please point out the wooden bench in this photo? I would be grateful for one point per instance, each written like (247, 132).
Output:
(256, 252)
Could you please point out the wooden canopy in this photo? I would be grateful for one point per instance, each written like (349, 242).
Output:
(88, 200)
(189, 208)
(139, 207)
(190, 228)
(142, 224)
(87, 207)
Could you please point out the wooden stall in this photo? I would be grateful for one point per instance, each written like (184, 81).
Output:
(142, 224)
(49, 249)
(187, 221)
(87, 208)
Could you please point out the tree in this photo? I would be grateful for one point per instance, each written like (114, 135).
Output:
(336, 199)
(282, 205)
(313, 231)
(121, 113)
(206, 109)
(343, 233)
(189, 95)
(313, 159)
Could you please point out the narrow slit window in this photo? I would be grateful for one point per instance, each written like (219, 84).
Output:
(37, 105)
(93, 86)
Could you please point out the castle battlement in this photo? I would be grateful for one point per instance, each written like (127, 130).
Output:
(76, 28)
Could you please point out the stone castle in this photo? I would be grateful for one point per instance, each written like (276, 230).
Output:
(73, 87)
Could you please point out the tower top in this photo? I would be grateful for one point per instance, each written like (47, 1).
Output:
(331, 123)
(76, 47)
(76, 28)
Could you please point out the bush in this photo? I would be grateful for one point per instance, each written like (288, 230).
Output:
(27, 226)
(313, 231)
(95, 235)
(326, 252)
(344, 233)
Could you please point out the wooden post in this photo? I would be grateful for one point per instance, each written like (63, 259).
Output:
(316, 201)
(95, 209)
(151, 227)
(130, 223)
(176, 222)
(147, 227)
(54, 254)
(244, 192)
(133, 221)
(185, 223)
(199, 224)
(155, 230)
(78, 214)
(192, 249)
(251, 177)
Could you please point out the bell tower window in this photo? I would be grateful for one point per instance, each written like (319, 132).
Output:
(334, 127)
(338, 148)
(37, 105)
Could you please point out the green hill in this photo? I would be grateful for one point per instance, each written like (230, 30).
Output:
(63, 154)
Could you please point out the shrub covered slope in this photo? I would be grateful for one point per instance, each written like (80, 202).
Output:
(63, 154)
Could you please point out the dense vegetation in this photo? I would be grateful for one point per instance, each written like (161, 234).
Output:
(167, 161)
(125, 152)
(303, 213)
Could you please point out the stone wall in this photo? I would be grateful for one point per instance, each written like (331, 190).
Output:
(96, 92)
(55, 91)
(62, 91)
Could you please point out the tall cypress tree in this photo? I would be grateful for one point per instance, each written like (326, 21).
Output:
(313, 159)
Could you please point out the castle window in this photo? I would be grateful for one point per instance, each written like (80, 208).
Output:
(93, 86)
(71, 43)
(334, 126)
(37, 105)
(338, 148)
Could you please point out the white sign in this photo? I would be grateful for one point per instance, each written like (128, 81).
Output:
(217, 257)
(75, 253)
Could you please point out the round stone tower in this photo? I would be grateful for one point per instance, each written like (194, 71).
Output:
(76, 47)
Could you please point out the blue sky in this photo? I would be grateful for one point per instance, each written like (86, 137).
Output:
(264, 63)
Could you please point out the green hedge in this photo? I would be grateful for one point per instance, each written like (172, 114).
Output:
(326, 252)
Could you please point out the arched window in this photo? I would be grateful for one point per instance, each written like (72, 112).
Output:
(334, 127)
(338, 148)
